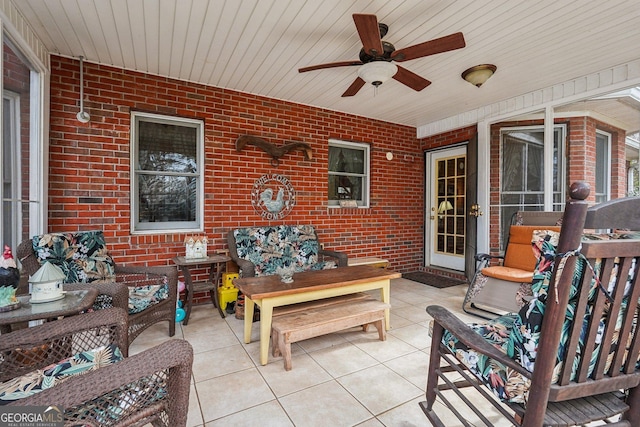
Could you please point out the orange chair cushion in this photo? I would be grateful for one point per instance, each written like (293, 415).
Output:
(519, 253)
(509, 274)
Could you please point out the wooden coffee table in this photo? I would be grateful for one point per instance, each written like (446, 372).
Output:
(269, 292)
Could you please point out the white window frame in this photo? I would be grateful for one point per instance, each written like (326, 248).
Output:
(606, 164)
(171, 226)
(11, 137)
(38, 142)
(366, 179)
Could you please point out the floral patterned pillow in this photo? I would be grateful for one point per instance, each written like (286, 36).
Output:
(42, 379)
(281, 246)
(142, 297)
(82, 256)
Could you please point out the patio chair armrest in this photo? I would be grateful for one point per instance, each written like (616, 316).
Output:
(472, 340)
(486, 257)
(133, 378)
(247, 268)
(169, 271)
(23, 338)
(340, 256)
(117, 291)
(29, 349)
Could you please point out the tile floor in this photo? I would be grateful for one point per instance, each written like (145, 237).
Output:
(343, 379)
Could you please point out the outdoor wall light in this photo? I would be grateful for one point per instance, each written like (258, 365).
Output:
(479, 74)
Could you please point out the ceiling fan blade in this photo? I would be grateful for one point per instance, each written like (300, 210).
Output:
(354, 88)
(411, 79)
(329, 65)
(369, 32)
(442, 44)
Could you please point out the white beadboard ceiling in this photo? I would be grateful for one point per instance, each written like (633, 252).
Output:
(256, 46)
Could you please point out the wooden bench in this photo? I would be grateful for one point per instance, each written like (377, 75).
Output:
(309, 305)
(302, 325)
(375, 262)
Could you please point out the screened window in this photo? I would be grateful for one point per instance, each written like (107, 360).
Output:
(348, 173)
(523, 171)
(167, 184)
(603, 167)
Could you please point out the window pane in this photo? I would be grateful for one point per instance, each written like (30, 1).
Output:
(342, 187)
(168, 178)
(167, 148)
(535, 168)
(346, 160)
(602, 168)
(348, 173)
(167, 198)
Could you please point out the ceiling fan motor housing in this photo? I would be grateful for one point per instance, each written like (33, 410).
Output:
(387, 48)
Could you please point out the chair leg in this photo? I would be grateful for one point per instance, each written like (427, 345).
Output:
(434, 364)
(633, 400)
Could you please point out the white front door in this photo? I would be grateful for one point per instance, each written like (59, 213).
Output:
(445, 208)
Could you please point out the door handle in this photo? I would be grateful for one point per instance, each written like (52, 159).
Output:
(475, 211)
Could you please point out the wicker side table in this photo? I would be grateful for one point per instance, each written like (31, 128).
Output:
(74, 302)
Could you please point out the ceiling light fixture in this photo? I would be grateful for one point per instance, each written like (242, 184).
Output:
(479, 74)
(377, 72)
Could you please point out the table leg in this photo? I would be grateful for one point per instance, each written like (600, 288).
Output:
(188, 288)
(214, 278)
(249, 306)
(266, 315)
(385, 296)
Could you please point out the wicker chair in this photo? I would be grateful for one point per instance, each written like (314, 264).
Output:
(118, 295)
(149, 387)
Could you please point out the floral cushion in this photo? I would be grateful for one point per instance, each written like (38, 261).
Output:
(82, 256)
(270, 248)
(517, 335)
(142, 297)
(42, 379)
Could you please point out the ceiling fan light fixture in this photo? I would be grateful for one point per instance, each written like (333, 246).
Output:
(377, 72)
(479, 74)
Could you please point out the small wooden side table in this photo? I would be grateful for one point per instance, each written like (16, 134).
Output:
(216, 264)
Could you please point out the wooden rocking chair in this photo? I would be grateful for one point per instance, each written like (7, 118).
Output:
(571, 356)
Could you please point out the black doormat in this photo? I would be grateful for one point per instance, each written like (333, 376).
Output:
(432, 279)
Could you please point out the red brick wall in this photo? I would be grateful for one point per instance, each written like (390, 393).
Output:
(89, 165)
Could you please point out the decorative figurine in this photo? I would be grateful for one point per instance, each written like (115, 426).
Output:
(9, 280)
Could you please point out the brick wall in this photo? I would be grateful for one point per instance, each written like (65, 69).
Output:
(89, 165)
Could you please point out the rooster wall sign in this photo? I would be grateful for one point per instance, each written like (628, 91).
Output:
(273, 196)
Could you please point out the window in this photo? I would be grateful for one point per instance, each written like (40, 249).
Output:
(167, 164)
(603, 166)
(523, 171)
(348, 172)
(22, 147)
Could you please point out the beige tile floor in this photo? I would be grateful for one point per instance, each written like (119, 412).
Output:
(343, 379)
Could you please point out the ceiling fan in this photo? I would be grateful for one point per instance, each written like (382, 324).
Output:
(377, 57)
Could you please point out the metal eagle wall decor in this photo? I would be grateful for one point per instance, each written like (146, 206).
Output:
(271, 149)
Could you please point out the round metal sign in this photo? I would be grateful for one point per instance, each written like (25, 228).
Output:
(273, 196)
